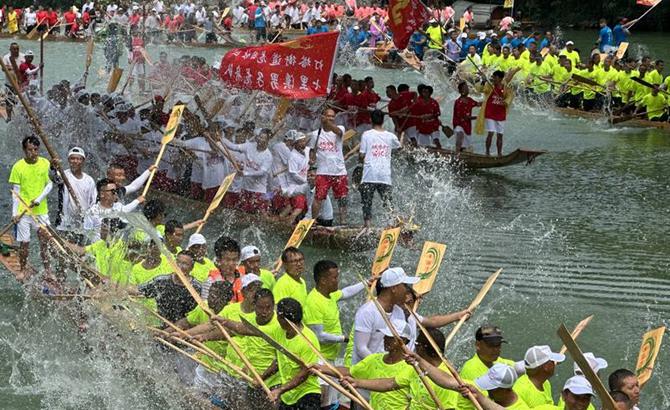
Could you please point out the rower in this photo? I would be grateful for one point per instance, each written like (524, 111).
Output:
(279, 184)
(116, 173)
(331, 172)
(292, 284)
(576, 395)
(498, 382)
(152, 264)
(109, 252)
(426, 113)
(108, 204)
(325, 217)
(11, 59)
(202, 265)
(298, 165)
(625, 381)
(375, 155)
(534, 387)
(462, 118)
(250, 259)
(250, 284)
(654, 105)
(571, 54)
(174, 236)
(256, 170)
(226, 259)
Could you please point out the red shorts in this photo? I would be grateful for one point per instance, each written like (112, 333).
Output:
(253, 202)
(196, 190)
(338, 183)
(231, 200)
(299, 202)
(279, 202)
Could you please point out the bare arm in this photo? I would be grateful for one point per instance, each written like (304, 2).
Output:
(378, 385)
(443, 320)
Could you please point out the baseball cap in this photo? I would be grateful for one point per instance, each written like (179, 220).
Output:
(29, 53)
(596, 363)
(499, 376)
(536, 356)
(570, 43)
(299, 136)
(432, 21)
(396, 276)
(76, 151)
(248, 279)
(490, 334)
(249, 252)
(578, 385)
(196, 239)
(400, 326)
(510, 33)
(481, 35)
(356, 27)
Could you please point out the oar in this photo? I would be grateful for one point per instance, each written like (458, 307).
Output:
(577, 331)
(621, 51)
(352, 151)
(297, 360)
(89, 59)
(427, 268)
(477, 300)
(39, 130)
(361, 400)
(11, 224)
(586, 80)
(185, 353)
(170, 131)
(299, 233)
(30, 35)
(624, 118)
(114, 79)
(587, 371)
(646, 359)
(246, 107)
(216, 145)
(41, 66)
(648, 84)
(387, 242)
(440, 353)
(223, 188)
(39, 224)
(130, 75)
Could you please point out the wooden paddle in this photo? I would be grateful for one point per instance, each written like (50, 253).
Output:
(283, 350)
(296, 238)
(621, 51)
(585, 80)
(32, 32)
(477, 300)
(114, 79)
(89, 58)
(185, 353)
(9, 226)
(384, 252)
(130, 75)
(428, 267)
(39, 130)
(39, 224)
(577, 331)
(648, 84)
(440, 353)
(359, 399)
(282, 109)
(170, 132)
(223, 188)
(587, 371)
(651, 346)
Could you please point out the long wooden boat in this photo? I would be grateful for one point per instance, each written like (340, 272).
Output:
(472, 161)
(599, 115)
(343, 237)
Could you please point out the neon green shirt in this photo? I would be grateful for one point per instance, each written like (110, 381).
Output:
(518, 405)
(533, 397)
(656, 105)
(551, 60)
(197, 317)
(551, 407)
(627, 86)
(666, 83)
(233, 312)
(463, 403)
(420, 399)
(260, 353)
(109, 260)
(320, 310)
(654, 77)
(475, 368)
(505, 63)
(201, 269)
(572, 56)
(374, 367)
(267, 278)
(287, 287)
(288, 369)
(525, 55)
(539, 85)
(436, 36)
(31, 178)
(140, 275)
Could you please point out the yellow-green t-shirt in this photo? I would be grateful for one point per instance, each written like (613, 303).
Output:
(31, 178)
(573, 56)
(201, 270)
(267, 278)
(525, 55)
(519, 404)
(475, 368)
(420, 398)
(655, 105)
(551, 60)
(233, 312)
(288, 369)
(463, 403)
(667, 83)
(552, 407)
(260, 353)
(109, 260)
(526, 390)
(320, 310)
(140, 275)
(539, 85)
(654, 77)
(505, 63)
(287, 287)
(436, 35)
(374, 367)
(197, 317)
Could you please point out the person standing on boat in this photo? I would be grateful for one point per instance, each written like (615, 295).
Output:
(331, 172)
(108, 204)
(14, 57)
(375, 155)
(462, 120)
(606, 38)
(292, 283)
(494, 110)
(426, 113)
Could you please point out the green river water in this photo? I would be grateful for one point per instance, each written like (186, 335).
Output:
(582, 231)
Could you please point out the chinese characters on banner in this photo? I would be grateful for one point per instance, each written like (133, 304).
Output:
(405, 16)
(298, 69)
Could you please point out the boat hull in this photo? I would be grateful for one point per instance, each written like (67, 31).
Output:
(474, 161)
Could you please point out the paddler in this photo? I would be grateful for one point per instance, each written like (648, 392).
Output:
(202, 265)
(534, 387)
(250, 260)
(576, 395)
(499, 96)
(462, 118)
(498, 382)
(325, 216)
(625, 381)
(292, 283)
(14, 57)
(654, 105)
(570, 52)
(108, 204)
(298, 166)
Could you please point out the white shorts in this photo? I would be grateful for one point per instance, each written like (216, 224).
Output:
(24, 225)
(410, 133)
(467, 139)
(426, 140)
(495, 126)
(139, 70)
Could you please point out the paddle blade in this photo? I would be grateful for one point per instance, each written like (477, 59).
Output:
(621, 51)
(173, 123)
(577, 331)
(89, 52)
(385, 248)
(428, 266)
(223, 188)
(651, 345)
(348, 135)
(544, 52)
(282, 108)
(299, 233)
(114, 80)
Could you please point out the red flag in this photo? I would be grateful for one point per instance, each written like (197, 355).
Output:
(298, 69)
(648, 3)
(405, 16)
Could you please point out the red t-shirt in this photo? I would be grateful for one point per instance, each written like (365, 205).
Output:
(85, 17)
(424, 107)
(53, 18)
(495, 105)
(137, 44)
(365, 101)
(69, 17)
(462, 113)
(23, 76)
(42, 17)
(134, 19)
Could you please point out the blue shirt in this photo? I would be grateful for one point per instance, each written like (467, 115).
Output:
(506, 40)
(415, 41)
(259, 18)
(605, 38)
(355, 39)
(544, 43)
(620, 35)
(515, 42)
(312, 30)
(466, 47)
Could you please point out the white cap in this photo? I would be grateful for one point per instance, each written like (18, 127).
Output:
(299, 136)
(432, 21)
(499, 376)
(400, 326)
(570, 43)
(481, 35)
(356, 27)
(596, 363)
(196, 239)
(509, 33)
(578, 385)
(536, 356)
(396, 276)
(29, 53)
(76, 151)
(249, 252)
(248, 279)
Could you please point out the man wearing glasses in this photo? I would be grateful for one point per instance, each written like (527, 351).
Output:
(108, 204)
(291, 284)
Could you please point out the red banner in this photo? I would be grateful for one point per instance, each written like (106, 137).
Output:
(648, 3)
(405, 16)
(298, 69)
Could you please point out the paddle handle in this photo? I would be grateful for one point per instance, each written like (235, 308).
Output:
(644, 14)
(454, 331)
(153, 171)
(11, 224)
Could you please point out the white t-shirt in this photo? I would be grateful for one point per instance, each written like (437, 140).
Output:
(30, 18)
(209, 168)
(368, 320)
(298, 165)
(20, 60)
(257, 166)
(326, 211)
(86, 192)
(96, 213)
(377, 147)
(280, 156)
(329, 157)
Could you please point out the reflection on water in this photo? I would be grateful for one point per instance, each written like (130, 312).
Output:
(581, 231)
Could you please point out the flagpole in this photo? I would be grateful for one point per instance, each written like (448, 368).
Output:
(644, 14)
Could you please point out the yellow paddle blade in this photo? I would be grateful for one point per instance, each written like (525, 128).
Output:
(348, 135)
(89, 52)
(428, 266)
(173, 123)
(461, 24)
(282, 108)
(384, 253)
(114, 80)
(225, 12)
(299, 233)
(544, 51)
(651, 345)
(577, 331)
(621, 50)
(223, 188)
